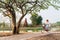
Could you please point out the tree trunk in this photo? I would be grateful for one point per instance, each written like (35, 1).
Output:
(19, 23)
(14, 23)
(12, 12)
(15, 28)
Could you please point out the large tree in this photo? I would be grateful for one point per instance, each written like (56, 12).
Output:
(24, 7)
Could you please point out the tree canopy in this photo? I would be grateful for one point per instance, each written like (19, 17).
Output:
(25, 6)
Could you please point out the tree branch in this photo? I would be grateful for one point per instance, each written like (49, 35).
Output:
(28, 2)
(2, 6)
(2, 2)
(31, 7)
(22, 11)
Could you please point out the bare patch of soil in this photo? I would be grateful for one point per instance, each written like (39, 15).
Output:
(55, 36)
(2, 34)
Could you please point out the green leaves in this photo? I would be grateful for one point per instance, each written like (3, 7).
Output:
(40, 4)
(39, 20)
(36, 20)
(30, 5)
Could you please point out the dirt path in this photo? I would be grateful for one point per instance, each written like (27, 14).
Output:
(27, 36)
(53, 36)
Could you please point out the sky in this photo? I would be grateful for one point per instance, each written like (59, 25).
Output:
(51, 14)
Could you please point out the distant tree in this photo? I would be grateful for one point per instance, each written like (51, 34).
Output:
(58, 24)
(25, 22)
(39, 20)
(36, 20)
